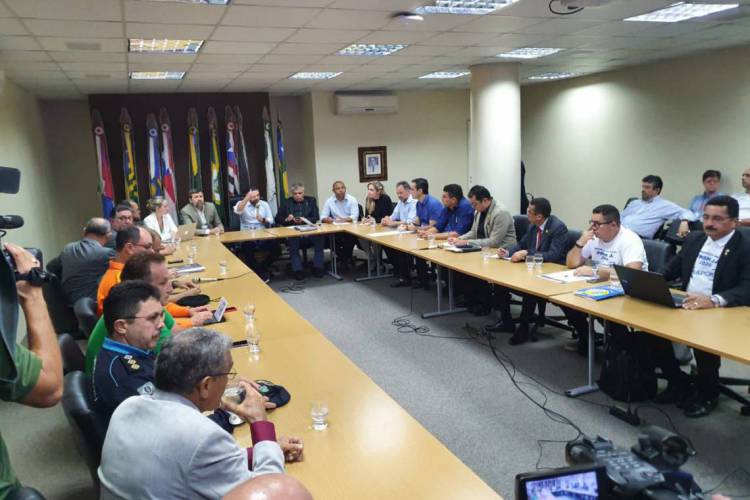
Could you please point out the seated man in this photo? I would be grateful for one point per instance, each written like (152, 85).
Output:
(256, 214)
(405, 210)
(546, 236)
(201, 213)
(711, 182)
(120, 219)
(85, 261)
(188, 455)
(744, 199)
(455, 218)
(341, 207)
(135, 209)
(291, 212)
(605, 243)
(714, 267)
(129, 241)
(646, 216)
(151, 268)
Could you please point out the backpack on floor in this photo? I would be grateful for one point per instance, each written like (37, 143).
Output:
(628, 369)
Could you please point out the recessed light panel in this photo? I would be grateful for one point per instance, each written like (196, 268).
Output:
(554, 75)
(314, 75)
(442, 75)
(157, 75)
(682, 11)
(529, 53)
(370, 49)
(164, 45)
(471, 7)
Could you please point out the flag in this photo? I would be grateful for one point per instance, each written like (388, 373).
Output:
(167, 162)
(106, 187)
(233, 170)
(270, 174)
(242, 153)
(154, 157)
(215, 160)
(283, 178)
(194, 151)
(128, 157)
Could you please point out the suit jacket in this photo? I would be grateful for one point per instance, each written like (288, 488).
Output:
(498, 226)
(307, 209)
(189, 215)
(552, 247)
(732, 278)
(160, 446)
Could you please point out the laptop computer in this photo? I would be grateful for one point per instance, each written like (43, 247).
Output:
(219, 312)
(649, 286)
(186, 232)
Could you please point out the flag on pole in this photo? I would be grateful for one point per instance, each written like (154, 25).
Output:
(215, 160)
(283, 178)
(270, 173)
(128, 157)
(106, 187)
(154, 157)
(233, 170)
(167, 162)
(194, 151)
(242, 153)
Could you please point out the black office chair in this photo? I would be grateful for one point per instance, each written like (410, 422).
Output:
(361, 211)
(25, 493)
(89, 429)
(234, 219)
(632, 198)
(521, 223)
(658, 254)
(85, 313)
(61, 314)
(72, 356)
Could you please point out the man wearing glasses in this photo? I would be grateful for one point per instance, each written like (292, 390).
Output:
(128, 242)
(605, 243)
(714, 267)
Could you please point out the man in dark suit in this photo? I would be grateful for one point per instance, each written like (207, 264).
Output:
(715, 270)
(546, 236)
(291, 213)
(202, 213)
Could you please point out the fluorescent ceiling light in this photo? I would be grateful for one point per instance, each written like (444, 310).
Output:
(205, 2)
(157, 75)
(529, 53)
(164, 46)
(445, 74)
(682, 11)
(314, 75)
(475, 7)
(554, 75)
(370, 49)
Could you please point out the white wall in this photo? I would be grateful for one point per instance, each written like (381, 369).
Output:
(426, 138)
(590, 140)
(290, 110)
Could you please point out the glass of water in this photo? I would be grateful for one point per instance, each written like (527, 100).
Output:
(486, 254)
(191, 255)
(253, 337)
(249, 311)
(529, 262)
(319, 414)
(222, 268)
(538, 261)
(431, 243)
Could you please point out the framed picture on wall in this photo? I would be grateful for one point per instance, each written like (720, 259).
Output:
(373, 164)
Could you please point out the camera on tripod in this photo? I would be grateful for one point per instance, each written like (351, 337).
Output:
(599, 469)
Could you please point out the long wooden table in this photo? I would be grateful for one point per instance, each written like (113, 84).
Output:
(372, 448)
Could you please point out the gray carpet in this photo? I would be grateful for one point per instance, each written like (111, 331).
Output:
(454, 387)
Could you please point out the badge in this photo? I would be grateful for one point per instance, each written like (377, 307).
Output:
(146, 389)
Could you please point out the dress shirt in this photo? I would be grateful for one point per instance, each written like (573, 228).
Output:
(428, 209)
(744, 200)
(646, 217)
(347, 207)
(457, 219)
(539, 234)
(405, 211)
(248, 219)
(704, 270)
(699, 201)
(169, 229)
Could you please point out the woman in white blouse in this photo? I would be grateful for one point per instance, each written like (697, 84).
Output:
(159, 219)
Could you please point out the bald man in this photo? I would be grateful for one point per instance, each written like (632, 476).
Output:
(270, 487)
(744, 199)
(85, 261)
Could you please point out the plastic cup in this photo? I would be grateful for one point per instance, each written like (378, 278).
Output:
(319, 414)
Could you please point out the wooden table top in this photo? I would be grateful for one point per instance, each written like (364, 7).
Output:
(372, 448)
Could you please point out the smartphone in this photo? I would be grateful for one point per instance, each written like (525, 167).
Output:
(596, 279)
(177, 261)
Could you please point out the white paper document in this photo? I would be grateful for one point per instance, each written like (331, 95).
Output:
(564, 276)
(390, 233)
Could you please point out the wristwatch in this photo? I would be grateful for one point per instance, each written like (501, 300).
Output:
(715, 300)
(578, 245)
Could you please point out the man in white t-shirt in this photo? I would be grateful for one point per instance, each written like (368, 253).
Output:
(606, 243)
(744, 199)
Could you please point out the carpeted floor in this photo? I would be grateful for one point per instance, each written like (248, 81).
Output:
(454, 386)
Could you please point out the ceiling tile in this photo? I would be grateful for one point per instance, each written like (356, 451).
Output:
(384, 5)
(240, 59)
(512, 41)
(344, 37)
(214, 47)
(200, 86)
(97, 76)
(5, 12)
(246, 86)
(306, 48)
(91, 10)
(242, 34)
(156, 86)
(93, 67)
(12, 27)
(285, 3)
(354, 19)
(172, 12)
(174, 31)
(500, 24)
(454, 39)
(269, 17)
(558, 27)
(65, 44)
(19, 43)
(275, 68)
(24, 56)
(158, 66)
(144, 57)
(93, 29)
(289, 59)
(210, 75)
(426, 50)
(89, 56)
(434, 22)
(101, 86)
(399, 37)
(347, 60)
(697, 30)
(270, 76)
(616, 28)
(31, 66)
(219, 69)
(36, 75)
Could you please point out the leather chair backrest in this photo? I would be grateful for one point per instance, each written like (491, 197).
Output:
(234, 219)
(61, 314)
(573, 236)
(521, 223)
(361, 211)
(89, 429)
(72, 357)
(85, 313)
(24, 493)
(658, 254)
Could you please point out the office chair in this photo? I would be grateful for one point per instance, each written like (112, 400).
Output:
(85, 312)
(25, 493)
(72, 356)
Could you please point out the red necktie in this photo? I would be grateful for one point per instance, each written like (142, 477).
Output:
(538, 238)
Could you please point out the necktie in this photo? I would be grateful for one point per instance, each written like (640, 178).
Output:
(538, 237)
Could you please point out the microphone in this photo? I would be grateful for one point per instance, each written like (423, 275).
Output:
(10, 221)
(205, 280)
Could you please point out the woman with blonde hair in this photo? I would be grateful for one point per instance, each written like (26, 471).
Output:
(159, 219)
(378, 204)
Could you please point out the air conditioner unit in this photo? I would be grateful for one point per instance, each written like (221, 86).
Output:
(355, 103)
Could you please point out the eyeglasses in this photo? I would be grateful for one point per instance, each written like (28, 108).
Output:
(596, 224)
(230, 375)
(152, 318)
(715, 218)
(150, 246)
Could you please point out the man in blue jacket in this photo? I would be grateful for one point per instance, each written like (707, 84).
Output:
(547, 236)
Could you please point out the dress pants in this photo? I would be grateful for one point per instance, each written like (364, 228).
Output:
(707, 381)
(249, 250)
(305, 242)
(345, 246)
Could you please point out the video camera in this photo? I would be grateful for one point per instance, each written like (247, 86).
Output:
(599, 469)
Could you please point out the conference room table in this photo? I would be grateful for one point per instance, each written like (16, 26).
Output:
(372, 447)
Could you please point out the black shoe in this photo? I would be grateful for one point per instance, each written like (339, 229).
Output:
(521, 336)
(318, 273)
(299, 275)
(701, 407)
(401, 284)
(502, 326)
(675, 393)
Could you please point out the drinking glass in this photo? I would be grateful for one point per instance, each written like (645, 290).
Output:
(538, 261)
(249, 311)
(253, 337)
(529, 262)
(431, 243)
(486, 254)
(222, 268)
(319, 414)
